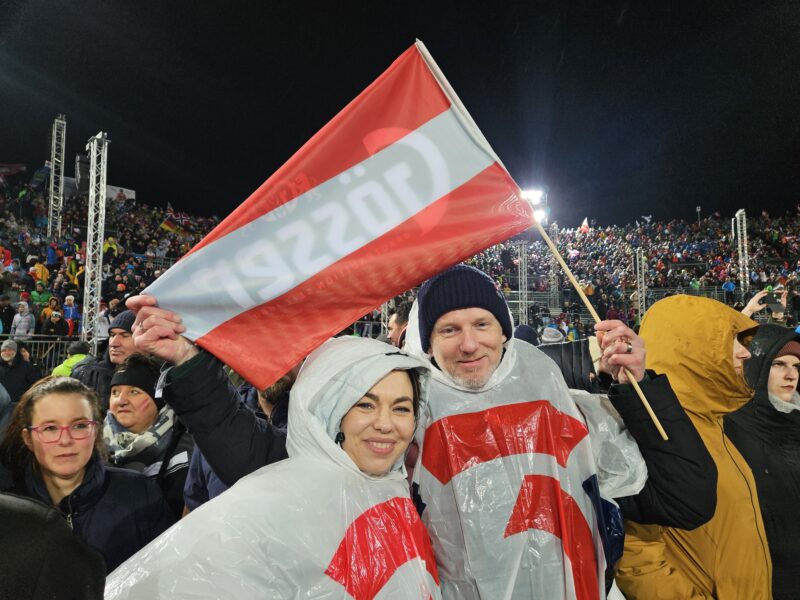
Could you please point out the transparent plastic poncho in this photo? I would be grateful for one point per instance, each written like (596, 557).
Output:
(510, 480)
(312, 526)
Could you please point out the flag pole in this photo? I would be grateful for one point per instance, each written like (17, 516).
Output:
(597, 319)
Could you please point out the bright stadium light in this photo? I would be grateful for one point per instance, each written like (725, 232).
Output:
(540, 215)
(534, 196)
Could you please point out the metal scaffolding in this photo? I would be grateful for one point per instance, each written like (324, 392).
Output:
(742, 249)
(522, 252)
(640, 266)
(553, 291)
(386, 309)
(57, 149)
(97, 147)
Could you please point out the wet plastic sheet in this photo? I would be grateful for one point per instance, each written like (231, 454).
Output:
(312, 526)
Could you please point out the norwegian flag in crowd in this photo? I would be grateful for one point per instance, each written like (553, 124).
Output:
(176, 221)
(398, 186)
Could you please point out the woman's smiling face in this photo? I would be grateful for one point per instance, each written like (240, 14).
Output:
(379, 427)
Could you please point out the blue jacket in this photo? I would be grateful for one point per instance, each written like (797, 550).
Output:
(115, 511)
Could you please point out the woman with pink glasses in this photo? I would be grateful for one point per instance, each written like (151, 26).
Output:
(53, 449)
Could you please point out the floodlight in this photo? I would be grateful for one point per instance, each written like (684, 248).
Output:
(533, 196)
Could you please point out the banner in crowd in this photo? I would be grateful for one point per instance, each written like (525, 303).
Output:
(120, 194)
(398, 186)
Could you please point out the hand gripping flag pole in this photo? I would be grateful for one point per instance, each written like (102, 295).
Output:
(597, 319)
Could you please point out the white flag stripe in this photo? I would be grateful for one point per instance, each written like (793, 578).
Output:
(287, 246)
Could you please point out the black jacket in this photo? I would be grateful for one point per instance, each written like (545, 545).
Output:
(18, 376)
(769, 441)
(115, 511)
(681, 487)
(96, 374)
(233, 440)
(42, 559)
(168, 468)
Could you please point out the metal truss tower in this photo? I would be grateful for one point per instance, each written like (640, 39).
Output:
(386, 308)
(743, 251)
(97, 147)
(640, 266)
(57, 150)
(553, 299)
(522, 250)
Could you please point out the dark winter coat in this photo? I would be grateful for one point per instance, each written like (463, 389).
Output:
(168, 468)
(769, 441)
(115, 511)
(18, 376)
(232, 438)
(96, 374)
(42, 559)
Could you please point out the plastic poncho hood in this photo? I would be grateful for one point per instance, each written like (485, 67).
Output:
(332, 379)
(312, 526)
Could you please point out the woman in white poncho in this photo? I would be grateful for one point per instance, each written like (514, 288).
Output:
(333, 521)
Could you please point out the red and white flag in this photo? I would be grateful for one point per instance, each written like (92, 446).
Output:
(398, 186)
(584, 228)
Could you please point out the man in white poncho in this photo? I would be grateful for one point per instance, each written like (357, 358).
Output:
(513, 478)
(333, 521)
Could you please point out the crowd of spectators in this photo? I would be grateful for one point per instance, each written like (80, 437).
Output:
(48, 273)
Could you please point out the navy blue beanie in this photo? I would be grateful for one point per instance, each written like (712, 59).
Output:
(124, 321)
(459, 287)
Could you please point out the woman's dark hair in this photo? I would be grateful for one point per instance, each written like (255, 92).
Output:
(417, 385)
(14, 454)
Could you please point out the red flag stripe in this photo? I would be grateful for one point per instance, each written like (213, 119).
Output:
(458, 442)
(376, 544)
(298, 321)
(543, 505)
(404, 97)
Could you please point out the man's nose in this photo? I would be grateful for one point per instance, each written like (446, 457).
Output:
(468, 343)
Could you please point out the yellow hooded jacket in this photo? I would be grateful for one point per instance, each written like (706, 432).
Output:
(691, 341)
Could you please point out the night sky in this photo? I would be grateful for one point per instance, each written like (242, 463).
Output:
(619, 108)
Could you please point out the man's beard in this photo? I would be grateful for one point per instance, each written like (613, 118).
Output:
(473, 381)
(276, 391)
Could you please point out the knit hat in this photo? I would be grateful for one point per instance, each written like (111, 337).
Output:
(527, 334)
(124, 321)
(140, 375)
(9, 345)
(459, 287)
(551, 335)
(78, 348)
(792, 347)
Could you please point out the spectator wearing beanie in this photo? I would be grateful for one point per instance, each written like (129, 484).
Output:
(96, 373)
(488, 383)
(16, 374)
(76, 352)
(142, 432)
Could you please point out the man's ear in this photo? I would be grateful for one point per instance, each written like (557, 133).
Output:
(505, 339)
